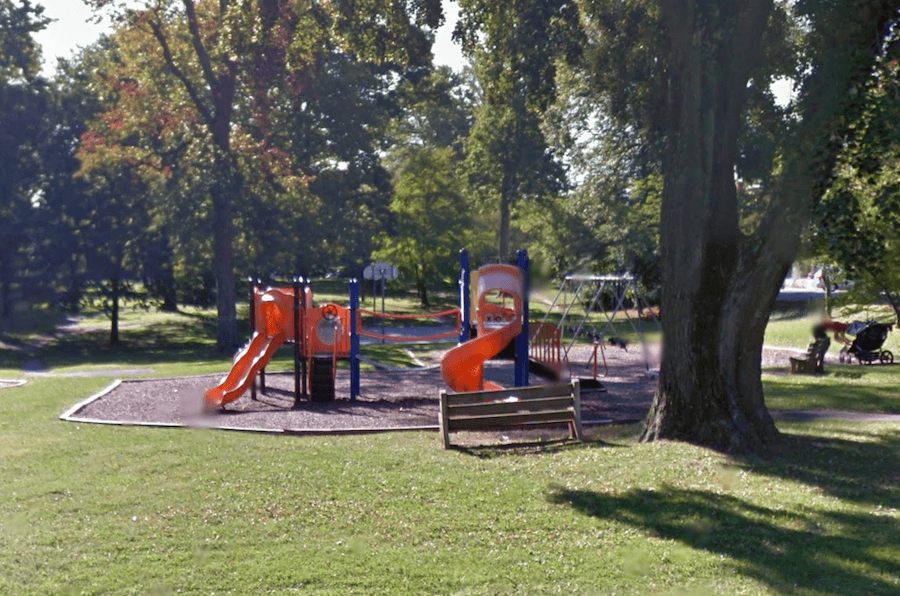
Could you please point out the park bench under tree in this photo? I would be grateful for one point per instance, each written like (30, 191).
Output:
(814, 363)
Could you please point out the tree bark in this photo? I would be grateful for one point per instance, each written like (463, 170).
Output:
(223, 265)
(421, 287)
(221, 80)
(719, 285)
(709, 389)
(503, 232)
(114, 291)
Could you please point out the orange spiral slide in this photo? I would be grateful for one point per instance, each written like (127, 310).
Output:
(463, 366)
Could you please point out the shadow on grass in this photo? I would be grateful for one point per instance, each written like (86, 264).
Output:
(826, 549)
(870, 389)
(183, 341)
(526, 447)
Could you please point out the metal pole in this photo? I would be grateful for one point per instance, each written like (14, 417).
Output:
(252, 325)
(297, 340)
(382, 304)
(354, 339)
(304, 337)
(521, 341)
(464, 295)
(262, 371)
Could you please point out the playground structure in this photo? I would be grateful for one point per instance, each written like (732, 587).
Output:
(580, 294)
(325, 334)
(463, 367)
(320, 336)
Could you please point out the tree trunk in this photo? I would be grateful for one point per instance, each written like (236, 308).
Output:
(167, 275)
(503, 233)
(220, 76)
(421, 288)
(709, 389)
(114, 291)
(893, 299)
(223, 267)
(719, 285)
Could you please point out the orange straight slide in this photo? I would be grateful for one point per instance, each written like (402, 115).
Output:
(247, 364)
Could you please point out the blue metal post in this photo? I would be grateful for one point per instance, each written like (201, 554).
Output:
(465, 270)
(354, 339)
(521, 372)
(252, 281)
(296, 331)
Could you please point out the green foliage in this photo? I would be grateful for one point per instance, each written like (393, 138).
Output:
(20, 56)
(860, 213)
(515, 47)
(22, 104)
(430, 219)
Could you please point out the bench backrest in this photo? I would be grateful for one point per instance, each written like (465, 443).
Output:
(519, 407)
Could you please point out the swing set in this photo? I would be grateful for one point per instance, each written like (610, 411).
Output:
(578, 296)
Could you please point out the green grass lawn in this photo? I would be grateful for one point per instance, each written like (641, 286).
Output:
(99, 510)
(102, 510)
(854, 387)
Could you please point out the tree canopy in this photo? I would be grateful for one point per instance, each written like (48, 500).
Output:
(22, 105)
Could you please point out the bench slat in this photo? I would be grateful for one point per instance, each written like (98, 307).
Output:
(511, 420)
(558, 403)
(511, 407)
(523, 393)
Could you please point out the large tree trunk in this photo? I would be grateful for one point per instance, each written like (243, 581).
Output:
(114, 291)
(223, 267)
(220, 76)
(421, 287)
(503, 232)
(719, 285)
(709, 389)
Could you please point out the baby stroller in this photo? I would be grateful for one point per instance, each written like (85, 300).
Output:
(867, 345)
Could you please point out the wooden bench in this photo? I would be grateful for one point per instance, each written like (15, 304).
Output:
(514, 408)
(815, 358)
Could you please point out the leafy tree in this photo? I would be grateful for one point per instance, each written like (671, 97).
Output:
(514, 46)
(429, 217)
(22, 102)
(225, 70)
(860, 214)
(719, 280)
(429, 214)
(688, 88)
(113, 235)
(73, 103)
(609, 220)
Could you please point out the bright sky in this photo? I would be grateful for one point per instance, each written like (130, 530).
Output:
(72, 30)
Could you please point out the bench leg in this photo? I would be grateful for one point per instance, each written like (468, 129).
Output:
(445, 421)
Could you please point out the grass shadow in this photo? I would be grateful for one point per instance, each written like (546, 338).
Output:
(863, 467)
(525, 447)
(825, 549)
(785, 551)
(869, 389)
(179, 340)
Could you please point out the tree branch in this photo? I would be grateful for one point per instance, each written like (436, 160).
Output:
(179, 74)
(197, 42)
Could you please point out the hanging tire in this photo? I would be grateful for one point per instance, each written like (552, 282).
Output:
(886, 357)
